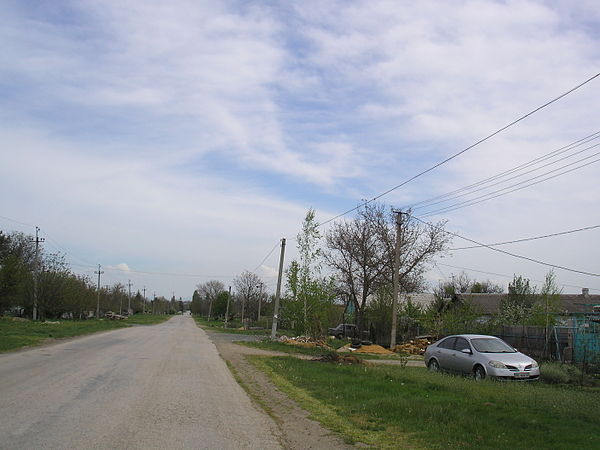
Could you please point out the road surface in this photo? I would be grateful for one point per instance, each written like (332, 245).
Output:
(161, 386)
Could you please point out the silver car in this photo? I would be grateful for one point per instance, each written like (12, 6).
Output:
(482, 356)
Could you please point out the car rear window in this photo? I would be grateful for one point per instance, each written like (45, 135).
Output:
(447, 343)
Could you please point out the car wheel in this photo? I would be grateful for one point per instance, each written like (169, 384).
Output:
(339, 336)
(433, 365)
(478, 373)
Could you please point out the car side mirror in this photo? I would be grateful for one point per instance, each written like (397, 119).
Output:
(467, 351)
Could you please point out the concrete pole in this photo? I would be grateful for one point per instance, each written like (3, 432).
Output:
(278, 292)
(396, 279)
(227, 309)
(129, 300)
(100, 272)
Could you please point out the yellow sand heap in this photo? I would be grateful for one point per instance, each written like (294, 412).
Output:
(377, 349)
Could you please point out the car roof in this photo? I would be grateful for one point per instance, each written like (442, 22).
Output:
(472, 336)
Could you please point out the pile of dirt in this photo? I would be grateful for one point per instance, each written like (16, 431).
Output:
(413, 347)
(374, 349)
(304, 341)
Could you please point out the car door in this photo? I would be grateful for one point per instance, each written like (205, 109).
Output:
(460, 361)
(444, 351)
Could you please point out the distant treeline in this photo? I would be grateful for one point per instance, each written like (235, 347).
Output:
(60, 292)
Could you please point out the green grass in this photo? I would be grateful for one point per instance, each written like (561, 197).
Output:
(232, 327)
(147, 319)
(16, 334)
(286, 348)
(394, 407)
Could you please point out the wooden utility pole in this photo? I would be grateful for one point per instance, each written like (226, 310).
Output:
(36, 270)
(278, 292)
(99, 272)
(396, 279)
(144, 301)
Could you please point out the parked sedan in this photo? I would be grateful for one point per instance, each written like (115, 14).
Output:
(482, 356)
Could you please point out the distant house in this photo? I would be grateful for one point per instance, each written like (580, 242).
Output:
(570, 304)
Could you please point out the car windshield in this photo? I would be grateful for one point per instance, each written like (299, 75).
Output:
(491, 345)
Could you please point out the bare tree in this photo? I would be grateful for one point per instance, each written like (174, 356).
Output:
(361, 252)
(248, 286)
(210, 291)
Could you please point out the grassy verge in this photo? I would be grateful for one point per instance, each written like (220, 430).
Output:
(147, 319)
(16, 334)
(286, 348)
(232, 327)
(393, 407)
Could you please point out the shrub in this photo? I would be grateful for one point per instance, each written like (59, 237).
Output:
(559, 373)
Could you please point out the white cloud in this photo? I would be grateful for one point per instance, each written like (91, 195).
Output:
(170, 135)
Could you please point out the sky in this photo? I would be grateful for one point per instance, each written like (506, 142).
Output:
(178, 142)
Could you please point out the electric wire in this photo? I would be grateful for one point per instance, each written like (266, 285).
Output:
(514, 255)
(529, 238)
(505, 180)
(500, 193)
(266, 257)
(455, 155)
(571, 146)
(17, 221)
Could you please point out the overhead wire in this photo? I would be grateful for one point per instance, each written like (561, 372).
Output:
(509, 190)
(561, 233)
(452, 194)
(455, 155)
(266, 257)
(514, 255)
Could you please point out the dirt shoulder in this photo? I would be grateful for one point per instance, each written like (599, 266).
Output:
(297, 429)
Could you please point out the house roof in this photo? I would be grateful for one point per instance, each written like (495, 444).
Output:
(569, 303)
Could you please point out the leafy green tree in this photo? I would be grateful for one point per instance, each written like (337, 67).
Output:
(195, 305)
(516, 308)
(310, 303)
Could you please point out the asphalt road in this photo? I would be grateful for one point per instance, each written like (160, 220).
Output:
(161, 386)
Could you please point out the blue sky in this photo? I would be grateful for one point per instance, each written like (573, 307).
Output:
(188, 137)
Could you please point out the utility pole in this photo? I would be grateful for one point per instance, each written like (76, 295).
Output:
(278, 292)
(260, 291)
(153, 302)
(99, 272)
(227, 309)
(396, 278)
(144, 301)
(36, 269)
(129, 303)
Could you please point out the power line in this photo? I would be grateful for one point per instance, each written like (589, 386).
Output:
(514, 255)
(480, 141)
(265, 258)
(500, 193)
(485, 184)
(530, 238)
(571, 146)
(17, 221)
